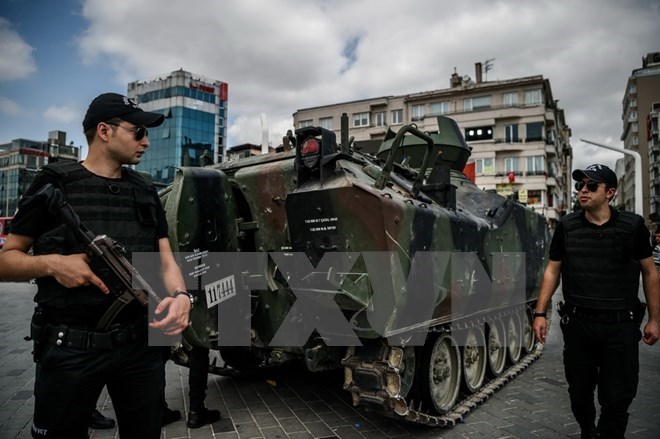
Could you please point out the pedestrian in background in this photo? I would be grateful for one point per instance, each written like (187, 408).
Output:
(599, 254)
(656, 250)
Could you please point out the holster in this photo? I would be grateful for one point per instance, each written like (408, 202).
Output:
(560, 309)
(38, 333)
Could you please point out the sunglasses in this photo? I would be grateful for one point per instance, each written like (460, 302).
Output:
(139, 132)
(591, 185)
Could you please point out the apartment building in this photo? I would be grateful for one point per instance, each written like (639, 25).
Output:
(641, 100)
(653, 139)
(20, 160)
(519, 136)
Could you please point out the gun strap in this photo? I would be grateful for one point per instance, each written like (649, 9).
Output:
(110, 314)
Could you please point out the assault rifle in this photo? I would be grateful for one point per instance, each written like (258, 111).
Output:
(107, 258)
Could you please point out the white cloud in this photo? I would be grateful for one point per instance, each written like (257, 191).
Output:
(16, 60)
(282, 56)
(9, 107)
(61, 115)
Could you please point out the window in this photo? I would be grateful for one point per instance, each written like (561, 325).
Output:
(325, 122)
(417, 112)
(479, 103)
(361, 120)
(534, 132)
(397, 116)
(439, 108)
(381, 121)
(511, 133)
(305, 123)
(478, 133)
(633, 103)
(511, 164)
(635, 140)
(484, 166)
(510, 99)
(533, 97)
(534, 197)
(634, 127)
(633, 88)
(535, 165)
(633, 116)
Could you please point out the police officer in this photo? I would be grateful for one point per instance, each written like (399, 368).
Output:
(599, 254)
(79, 358)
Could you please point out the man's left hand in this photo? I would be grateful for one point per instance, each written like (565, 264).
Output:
(651, 332)
(177, 317)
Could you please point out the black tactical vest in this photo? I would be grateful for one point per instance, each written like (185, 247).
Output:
(598, 269)
(123, 209)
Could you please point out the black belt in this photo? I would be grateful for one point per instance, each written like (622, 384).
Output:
(598, 315)
(62, 335)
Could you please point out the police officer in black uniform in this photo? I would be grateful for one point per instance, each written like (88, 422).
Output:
(599, 254)
(78, 358)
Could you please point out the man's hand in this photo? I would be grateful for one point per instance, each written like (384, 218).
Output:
(74, 271)
(178, 315)
(651, 332)
(540, 326)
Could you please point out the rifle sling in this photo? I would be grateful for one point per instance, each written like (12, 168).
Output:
(110, 314)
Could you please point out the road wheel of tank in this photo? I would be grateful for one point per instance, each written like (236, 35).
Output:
(514, 336)
(407, 370)
(474, 359)
(496, 348)
(528, 341)
(440, 373)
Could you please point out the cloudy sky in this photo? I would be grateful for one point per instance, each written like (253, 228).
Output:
(282, 55)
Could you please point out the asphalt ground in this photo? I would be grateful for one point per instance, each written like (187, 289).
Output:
(292, 403)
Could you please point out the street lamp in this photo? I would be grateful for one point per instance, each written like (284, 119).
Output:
(638, 172)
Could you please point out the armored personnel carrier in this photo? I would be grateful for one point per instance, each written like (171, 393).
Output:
(395, 267)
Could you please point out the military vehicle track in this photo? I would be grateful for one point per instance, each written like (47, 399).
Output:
(382, 382)
(406, 412)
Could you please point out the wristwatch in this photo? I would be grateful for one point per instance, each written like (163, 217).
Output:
(187, 294)
(536, 314)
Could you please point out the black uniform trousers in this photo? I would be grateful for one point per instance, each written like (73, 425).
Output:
(197, 380)
(606, 356)
(69, 381)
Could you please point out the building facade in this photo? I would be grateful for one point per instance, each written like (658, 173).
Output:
(519, 136)
(641, 96)
(21, 159)
(653, 139)
(194, 132)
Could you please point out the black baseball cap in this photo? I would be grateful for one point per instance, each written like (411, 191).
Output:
(599, 173)
(109, 105)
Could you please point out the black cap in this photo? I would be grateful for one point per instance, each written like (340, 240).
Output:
(599, 173)
(109, 105)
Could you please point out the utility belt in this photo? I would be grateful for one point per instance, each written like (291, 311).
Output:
(566, 310)
(62, 335)
(42, 333)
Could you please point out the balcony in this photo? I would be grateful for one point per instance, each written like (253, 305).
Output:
(508, 145)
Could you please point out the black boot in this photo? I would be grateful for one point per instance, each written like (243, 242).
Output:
(203, 417)
(170, 416)
(100, 422)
